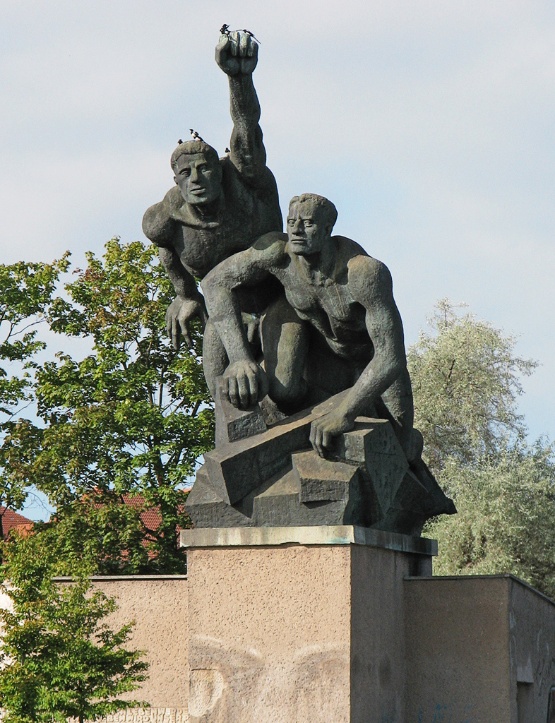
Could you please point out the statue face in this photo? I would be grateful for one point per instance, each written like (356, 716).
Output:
(307, 231)
(199, 179)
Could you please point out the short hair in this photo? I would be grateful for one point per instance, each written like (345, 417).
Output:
(191, 148)
(323, 204)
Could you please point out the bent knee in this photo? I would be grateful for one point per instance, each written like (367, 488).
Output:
(288, 395)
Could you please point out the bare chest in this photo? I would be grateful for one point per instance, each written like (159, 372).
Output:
(201, 249)
(329, 307)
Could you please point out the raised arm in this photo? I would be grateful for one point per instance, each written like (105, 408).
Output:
(371, 286)
(237, 56)
(244, 381)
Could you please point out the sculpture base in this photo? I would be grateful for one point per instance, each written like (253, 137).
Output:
(274, 477)
(298, 624)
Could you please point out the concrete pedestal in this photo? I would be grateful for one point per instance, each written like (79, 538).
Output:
(299, 624)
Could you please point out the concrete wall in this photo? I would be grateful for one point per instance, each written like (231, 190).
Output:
(159, 606)
(297, 632)
(292, 633)
(532, 652)
(377, 650)
(479, 650)
(148, 715)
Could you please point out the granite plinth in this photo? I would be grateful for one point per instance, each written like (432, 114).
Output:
(328, 535)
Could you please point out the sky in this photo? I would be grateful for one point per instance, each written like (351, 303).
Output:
(429, 124)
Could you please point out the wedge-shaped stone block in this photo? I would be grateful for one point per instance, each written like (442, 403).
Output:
(237, 468)
(322, 480)
(373, 445)
(233, 424)
(280, 505)
(206, 509)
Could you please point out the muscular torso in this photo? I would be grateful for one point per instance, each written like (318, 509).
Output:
(327, 305)
(244, 213)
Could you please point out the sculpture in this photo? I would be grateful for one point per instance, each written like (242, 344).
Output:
(334, 337)
(338, 312)
(218, 206)
(326, 366)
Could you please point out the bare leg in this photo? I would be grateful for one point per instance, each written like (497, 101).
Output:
(284, 346)
(214, 357)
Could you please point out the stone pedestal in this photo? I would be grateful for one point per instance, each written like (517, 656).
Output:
(299, 624)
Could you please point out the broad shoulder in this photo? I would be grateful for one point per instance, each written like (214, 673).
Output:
(346, 248)
(256, 176)
(368, 277)
(159, 221)
(271, 246)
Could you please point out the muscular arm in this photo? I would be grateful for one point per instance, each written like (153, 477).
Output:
(247, 149)
(160, 228)
(371, 286)
(237, 55)
(183, 282)
(244, 381)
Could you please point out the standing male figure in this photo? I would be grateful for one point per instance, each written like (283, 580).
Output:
(339, 327)
(218, 206)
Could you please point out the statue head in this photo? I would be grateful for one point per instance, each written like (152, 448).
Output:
(197, 172)
(309, 223)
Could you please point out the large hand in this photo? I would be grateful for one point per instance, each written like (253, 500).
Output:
(237, 53)
(179, 314)
(245, 383)
(324, 429)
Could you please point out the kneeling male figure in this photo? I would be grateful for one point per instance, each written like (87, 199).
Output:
(338, 327)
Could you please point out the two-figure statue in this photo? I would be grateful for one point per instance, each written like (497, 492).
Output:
(303, 323)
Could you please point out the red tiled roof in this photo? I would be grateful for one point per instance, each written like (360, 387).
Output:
(13, 520)
(151, 517)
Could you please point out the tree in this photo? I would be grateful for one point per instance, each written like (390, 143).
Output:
(130, 418)
(28, 290)
(505, 518)
(466, 379)
(61, 658)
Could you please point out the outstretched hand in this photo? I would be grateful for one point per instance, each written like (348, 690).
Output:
(326, 428)
(237, 53)
(179, 315)
(245, 383)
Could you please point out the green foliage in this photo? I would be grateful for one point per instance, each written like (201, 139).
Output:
(466, 380)
(61, 658)
(505, 519)
(27, 293)
(126, 422)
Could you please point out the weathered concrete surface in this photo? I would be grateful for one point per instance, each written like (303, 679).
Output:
(148, 715)
(158, 605)
(304, 624)
(478, 649)
(303, 633)
(312, 535)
